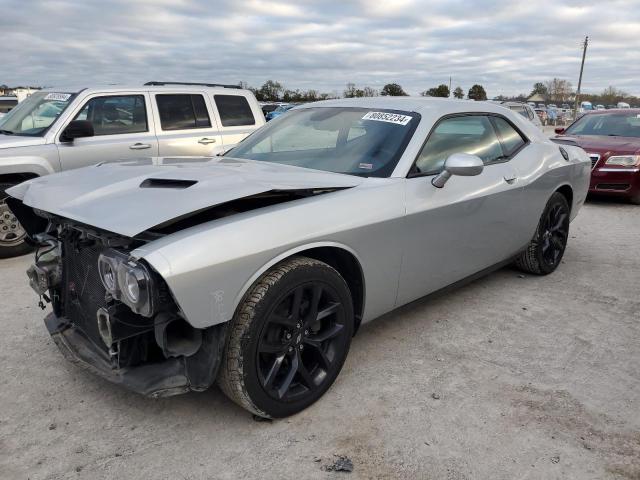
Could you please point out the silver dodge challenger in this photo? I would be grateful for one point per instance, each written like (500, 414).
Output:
(256, 268)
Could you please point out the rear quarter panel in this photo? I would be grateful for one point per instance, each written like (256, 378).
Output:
(545, 170)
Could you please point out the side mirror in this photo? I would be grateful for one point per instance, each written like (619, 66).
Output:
(559, 130)
(462, 164)
(77, 129)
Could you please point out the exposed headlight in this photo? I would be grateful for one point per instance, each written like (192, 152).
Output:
(624, 160)
(127, 281)
(108, 264)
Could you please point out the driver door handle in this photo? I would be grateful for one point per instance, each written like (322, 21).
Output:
(139, 146)
(206, 141)
(510, 178)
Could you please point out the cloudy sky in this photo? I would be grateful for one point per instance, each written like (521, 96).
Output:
(504, 45)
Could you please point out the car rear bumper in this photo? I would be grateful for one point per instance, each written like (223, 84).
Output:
(621, 182)
(154, 380)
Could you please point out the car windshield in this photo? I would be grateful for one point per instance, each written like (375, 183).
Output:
(612, 124)
(356, 141)
(36, 114)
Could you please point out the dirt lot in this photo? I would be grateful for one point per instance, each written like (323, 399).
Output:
(511, 377)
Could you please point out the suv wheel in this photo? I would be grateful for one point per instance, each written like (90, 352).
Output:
(12, 235)
(288, 339)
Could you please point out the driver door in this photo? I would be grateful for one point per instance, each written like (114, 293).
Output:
(471, 223)
(123, 130)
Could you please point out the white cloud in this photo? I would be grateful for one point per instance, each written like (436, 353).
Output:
(323, 44)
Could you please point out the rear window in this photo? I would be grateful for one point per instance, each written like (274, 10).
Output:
(182, 111)
(234, 110)
(511, 139)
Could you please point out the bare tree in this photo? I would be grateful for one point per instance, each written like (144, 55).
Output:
(558, 89)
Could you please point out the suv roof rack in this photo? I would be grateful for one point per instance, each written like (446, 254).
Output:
(159, 84)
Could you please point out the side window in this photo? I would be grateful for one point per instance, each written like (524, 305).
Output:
(521, 110)
(511, 138)
(116, 114)
(234, 110)
(182, 111)
(472, 134)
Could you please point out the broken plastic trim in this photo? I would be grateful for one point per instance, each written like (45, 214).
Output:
(240, 205)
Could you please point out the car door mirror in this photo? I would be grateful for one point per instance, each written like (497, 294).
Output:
(462, 164)
(77, 129)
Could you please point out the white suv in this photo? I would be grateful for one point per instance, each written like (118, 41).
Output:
(52, 131)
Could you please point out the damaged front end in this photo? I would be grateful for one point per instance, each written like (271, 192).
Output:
(114, 315)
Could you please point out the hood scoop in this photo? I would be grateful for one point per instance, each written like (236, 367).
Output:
(174, 183)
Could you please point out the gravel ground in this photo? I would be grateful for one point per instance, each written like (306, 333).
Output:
(510, 377)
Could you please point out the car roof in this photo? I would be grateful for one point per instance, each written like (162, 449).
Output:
(430, 105)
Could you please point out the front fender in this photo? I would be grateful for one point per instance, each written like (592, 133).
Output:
(210, 267)
(300, 248)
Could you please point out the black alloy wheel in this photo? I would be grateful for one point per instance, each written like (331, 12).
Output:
(301, 341)
(545, 251)
(288, 339)
(556, 231)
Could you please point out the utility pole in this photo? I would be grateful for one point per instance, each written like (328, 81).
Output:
(584, 53)
(449, 86)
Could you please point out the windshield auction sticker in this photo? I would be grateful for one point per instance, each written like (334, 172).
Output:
(61, 97)
(388, 117)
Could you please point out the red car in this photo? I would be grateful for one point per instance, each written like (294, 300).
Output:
(612, 139)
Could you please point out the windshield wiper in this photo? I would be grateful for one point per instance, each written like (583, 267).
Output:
(6, 132)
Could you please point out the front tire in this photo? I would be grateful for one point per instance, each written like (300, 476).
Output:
(12, 235)
(288, 339)
(546, 249)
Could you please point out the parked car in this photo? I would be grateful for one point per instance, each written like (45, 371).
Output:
(623, 105)
(7, 104)
(279, 111)
(262, 264)
(542, 115)
(612, 141)
(600, 107)
(268, 107)
(525, 110)
(62, 130)
(585, 107)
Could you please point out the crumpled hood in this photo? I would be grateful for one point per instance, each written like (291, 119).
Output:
(129, 197)
(10, 141)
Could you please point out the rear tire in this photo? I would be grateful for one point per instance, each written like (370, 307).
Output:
(12, 235)
(288, 339)
(545, 251)
(635, 200)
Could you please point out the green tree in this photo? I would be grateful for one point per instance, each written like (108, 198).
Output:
(393, 90)
(270, 91)
(539, 88)
(439, 91)
(477, 92)
(458, 93)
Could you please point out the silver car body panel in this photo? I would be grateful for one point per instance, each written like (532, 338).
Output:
(409, 237)
(103, 196)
